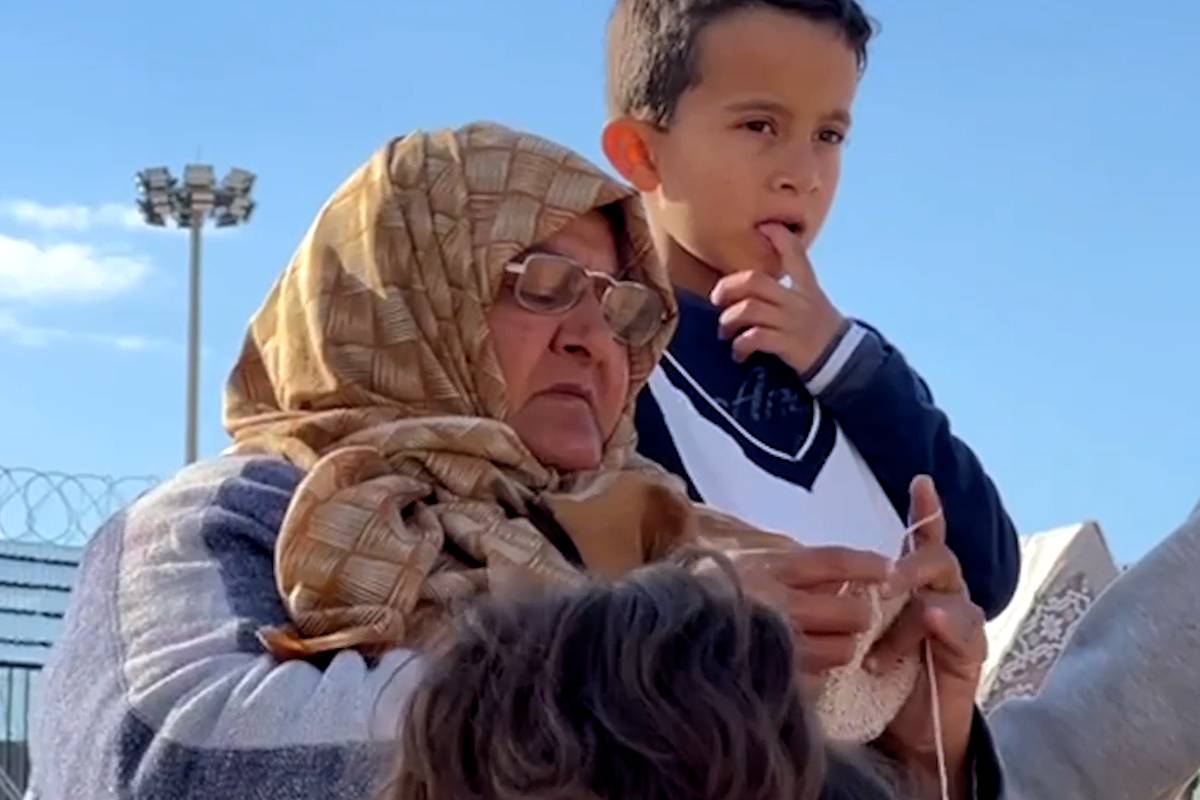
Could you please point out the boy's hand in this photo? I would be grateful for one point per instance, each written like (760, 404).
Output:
(802, 584)
(797, 324)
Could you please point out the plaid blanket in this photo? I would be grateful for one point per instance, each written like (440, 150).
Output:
(159, 687)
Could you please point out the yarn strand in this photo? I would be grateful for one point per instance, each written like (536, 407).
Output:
(934, 706)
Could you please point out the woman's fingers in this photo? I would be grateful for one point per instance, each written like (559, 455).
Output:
(819, 653)
(956, 628)
(950, 621)
(925, 507)
(808, 567)
(804, 586)
(931, 566)
(900, 640)
(828, 613)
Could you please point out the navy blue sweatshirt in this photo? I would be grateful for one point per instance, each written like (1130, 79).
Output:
(827, 457)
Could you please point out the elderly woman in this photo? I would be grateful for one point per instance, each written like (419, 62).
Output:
(432, 405)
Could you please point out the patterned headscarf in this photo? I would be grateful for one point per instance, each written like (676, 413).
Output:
(371, 367)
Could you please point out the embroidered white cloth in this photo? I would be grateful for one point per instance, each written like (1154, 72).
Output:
(1062, 572)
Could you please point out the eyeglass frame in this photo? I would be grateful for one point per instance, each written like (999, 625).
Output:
(517, 268)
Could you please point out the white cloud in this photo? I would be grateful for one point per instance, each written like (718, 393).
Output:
(65, 271)
(72, 217)
(78, 219)
(25, 335)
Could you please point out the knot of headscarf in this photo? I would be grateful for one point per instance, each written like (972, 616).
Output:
(370, 366)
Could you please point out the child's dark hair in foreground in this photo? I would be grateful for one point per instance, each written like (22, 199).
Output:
(664, 686)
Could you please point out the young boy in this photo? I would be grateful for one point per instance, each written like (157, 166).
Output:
(729, 117)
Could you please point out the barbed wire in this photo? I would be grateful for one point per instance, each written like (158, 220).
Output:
(61, 508)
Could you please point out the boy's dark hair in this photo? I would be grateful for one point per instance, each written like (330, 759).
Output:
(653, 53)
(664, 686)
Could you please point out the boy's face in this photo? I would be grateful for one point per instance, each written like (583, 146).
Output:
(758, 139)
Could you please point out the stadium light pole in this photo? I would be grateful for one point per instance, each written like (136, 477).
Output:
(163, 199)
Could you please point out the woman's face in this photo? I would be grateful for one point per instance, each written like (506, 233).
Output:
(567, 375)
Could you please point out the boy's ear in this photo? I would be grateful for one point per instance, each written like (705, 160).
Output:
(627, 144)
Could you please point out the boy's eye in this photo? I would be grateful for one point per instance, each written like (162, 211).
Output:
(761, 126)
(831, 136)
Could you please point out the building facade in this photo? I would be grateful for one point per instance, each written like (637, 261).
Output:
(35, 584)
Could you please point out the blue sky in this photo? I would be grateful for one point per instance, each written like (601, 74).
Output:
(1019, 211)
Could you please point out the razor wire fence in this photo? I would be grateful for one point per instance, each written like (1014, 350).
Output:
(60, 508)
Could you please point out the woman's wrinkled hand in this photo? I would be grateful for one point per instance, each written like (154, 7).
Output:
(802, 584)
(940, 612)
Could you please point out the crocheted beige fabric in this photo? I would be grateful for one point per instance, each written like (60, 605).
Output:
(854, 705)
(371, 367)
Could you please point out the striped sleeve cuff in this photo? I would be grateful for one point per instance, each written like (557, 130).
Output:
(835, 360)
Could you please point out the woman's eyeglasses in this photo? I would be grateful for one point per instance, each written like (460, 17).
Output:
(549, 284)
